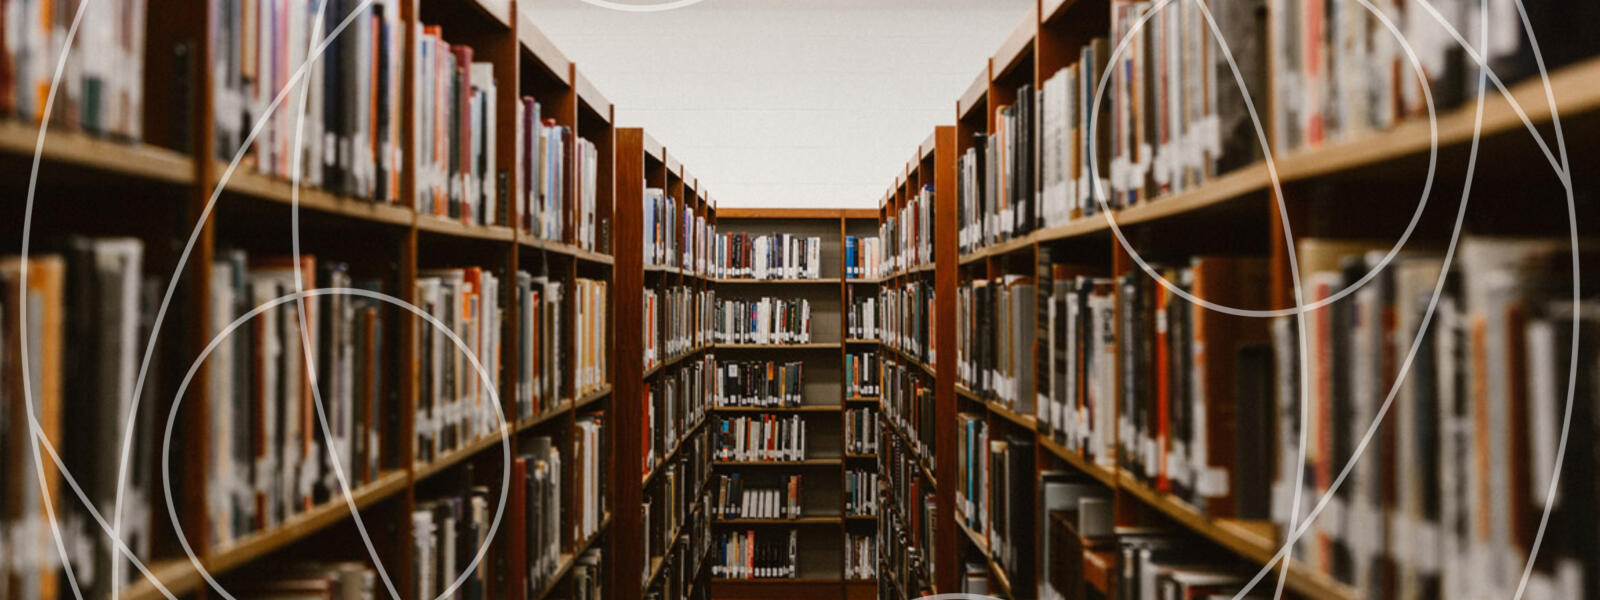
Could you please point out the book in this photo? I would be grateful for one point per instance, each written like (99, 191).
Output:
(765, 320)
(340, 130)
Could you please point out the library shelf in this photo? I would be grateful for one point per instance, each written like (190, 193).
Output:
(809, 462)
(862, 400)
(796, 521)
(859, 456)
(247, 183)
(593, 396)
(1254, 541)
(982, 545)
(1029, 422)
(672, 453)
(568, 559)
(775, 580)
(74, 149)
(560, 409)
(861, 517)
(862, 342)
(804, 408)
(1102, 473)
(556, 247)
(468, 450)
(680, 357)
(303, 525)
(454, 228)
(805, 346)
(752, 281)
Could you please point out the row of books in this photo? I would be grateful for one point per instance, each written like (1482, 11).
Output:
(764, 438)
(1080, 347)
(451, 537)
(744, 255)
(1194, 381)
(861, 430)
(860, 492)
(756, 554)
(534, 507)
(863, 257)
(995, 479)
(93, 293)
(591, 335)
(674, 495)
(1482, 404)
(908, 403)
(1071, 509)
(340, 130)
(735, 501)
(1341, 73)
(861, 315)
(457, 401)
(676, 320)
(907, 529)
(908, 234)
(860, 556)
(906, 311)
(542, 306)
(995, 333)
(549, 207)
(675, 236)
(269, 458)
(764, 384)
(765, 320)
(456, 168)
(674, 404)
(862, 374)
(101, 89)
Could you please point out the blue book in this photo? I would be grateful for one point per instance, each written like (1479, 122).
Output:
(850, 269)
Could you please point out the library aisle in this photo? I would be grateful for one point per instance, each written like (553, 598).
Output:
(344, 300)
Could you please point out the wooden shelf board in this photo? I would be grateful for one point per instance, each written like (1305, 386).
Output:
(1017, 46)
(862, 341)
(455, 228)
(975, 95)
(177, 575)
(248, 183)
(862, 399)
(81, 149)
(809, 345)
(1253, 541)
(1029, 422)
(676, 359)
(560, 409)
(303, 525)
(672, 453)
(590, 96)
(452, 457)
(536, 44)
(555, 247)
(1102, 473)
(593, 396)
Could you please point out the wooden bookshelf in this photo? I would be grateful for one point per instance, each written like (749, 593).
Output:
(822, 556)
(1046, 40)
(171, 178)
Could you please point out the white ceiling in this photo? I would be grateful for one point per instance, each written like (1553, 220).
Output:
(785, 102)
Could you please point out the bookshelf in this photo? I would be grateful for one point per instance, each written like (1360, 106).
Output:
(825, 523)
(1234, 212)
(164, 185)
(673, 455)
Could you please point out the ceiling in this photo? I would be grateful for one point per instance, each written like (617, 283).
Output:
(785, 102)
